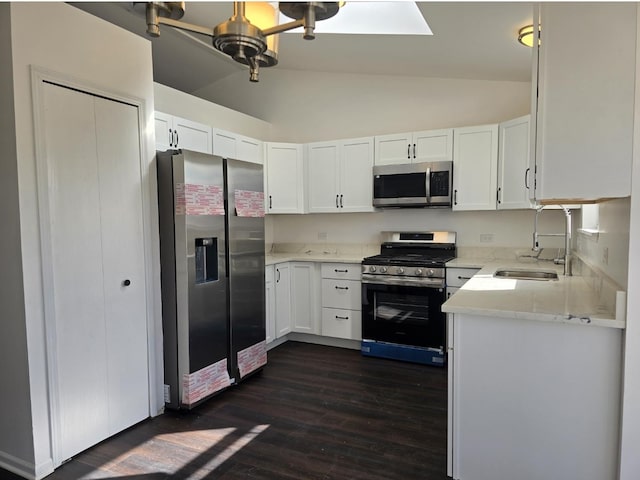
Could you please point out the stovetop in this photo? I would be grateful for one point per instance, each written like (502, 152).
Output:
(433, 259)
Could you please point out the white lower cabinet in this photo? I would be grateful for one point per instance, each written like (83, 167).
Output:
(282, 287)
(270, 303)
(341, 301)
(305, 311)
(532, 399)
(457, 277)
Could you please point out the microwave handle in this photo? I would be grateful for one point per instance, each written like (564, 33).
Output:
(428, 185)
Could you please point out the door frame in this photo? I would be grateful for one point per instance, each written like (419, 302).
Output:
(40, 75)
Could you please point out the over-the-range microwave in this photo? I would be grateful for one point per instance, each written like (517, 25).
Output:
(427, 184)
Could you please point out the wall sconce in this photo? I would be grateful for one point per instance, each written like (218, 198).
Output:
(250, 35)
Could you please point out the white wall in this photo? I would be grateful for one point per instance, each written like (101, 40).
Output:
(609, 250)
(175, 102)
(313, 106)
(509, 228)
(61, 38)
(15, 442)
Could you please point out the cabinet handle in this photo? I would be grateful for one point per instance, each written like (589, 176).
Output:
(409, 151)
(278, 275)
(171, 137)
(463, 278)
(455, 197)
(126, 283)
(177, 138)
(337, 203)
(414, 150)
(341, 205)
(270, 202)
(341, 288)
(342, 318)
(498, 195)
(341, 271)
(526, 178)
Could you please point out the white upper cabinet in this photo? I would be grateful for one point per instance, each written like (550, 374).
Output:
(414, 147)
(284, 173)
(475, 166)
(340, 175)
(585, 103)
(174, 132)
(514, 175)
(232, 145)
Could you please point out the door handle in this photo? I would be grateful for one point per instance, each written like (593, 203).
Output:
(278, 275)
(337, 203)
(341, 205)
(526, 178)
(414, 150)
(126, 283)
(177, 138)
(170, 137)
(455, 197)
(498, 195)
(270, 202)
(409, 151)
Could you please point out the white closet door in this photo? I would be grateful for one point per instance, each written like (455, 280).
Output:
(95, 242)
(118, 147)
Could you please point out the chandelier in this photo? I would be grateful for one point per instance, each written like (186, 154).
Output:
(251, 42)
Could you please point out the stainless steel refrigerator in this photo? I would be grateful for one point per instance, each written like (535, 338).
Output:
(211, 214)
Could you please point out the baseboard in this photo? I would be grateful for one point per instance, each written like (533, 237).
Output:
(327, 341)
(25, 469)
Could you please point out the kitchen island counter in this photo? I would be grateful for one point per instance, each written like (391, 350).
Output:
(567, 300)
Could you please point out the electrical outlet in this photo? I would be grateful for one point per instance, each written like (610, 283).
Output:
(486, 238)
(322, 235)
(605, 255)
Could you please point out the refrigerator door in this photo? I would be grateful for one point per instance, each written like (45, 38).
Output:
(194, 276)
(245, 196)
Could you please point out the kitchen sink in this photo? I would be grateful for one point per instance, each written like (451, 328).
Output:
(526, 274)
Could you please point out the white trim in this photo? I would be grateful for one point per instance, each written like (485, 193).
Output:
(39, 75)
(25, 469)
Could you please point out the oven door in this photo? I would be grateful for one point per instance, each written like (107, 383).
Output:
(403, 314)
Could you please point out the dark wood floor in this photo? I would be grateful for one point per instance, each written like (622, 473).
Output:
(315, 412)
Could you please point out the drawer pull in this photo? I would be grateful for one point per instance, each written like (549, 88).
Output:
(342, 318)
(341, 288)
(341, 271)
(463, 278)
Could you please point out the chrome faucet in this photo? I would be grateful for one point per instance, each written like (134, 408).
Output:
(566, 259)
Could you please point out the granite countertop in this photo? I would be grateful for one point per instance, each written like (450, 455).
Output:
(314, 256)
(566, 300)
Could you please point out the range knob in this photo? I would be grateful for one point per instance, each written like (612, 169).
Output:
(418, 272)
(430, 273)
(400, 270)
(372, 268)
(383, 269)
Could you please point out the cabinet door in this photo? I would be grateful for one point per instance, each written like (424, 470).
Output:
(513, 164)
(322, 170)
(224, 144)
(393, 149)
(475, 157)
(356, 175)
(164, 131)
(283, 299)
(305, 308)
(249, 150)
(342, 323)
(432, 146)
(285, 178)
(192, 135)
(270, 304)
(585, 107)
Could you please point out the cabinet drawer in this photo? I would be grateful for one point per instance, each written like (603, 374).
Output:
(342, 323)
(341, 294)
(346, 271)
(456, 277)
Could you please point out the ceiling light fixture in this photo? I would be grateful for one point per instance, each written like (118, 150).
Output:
(525, 36)
(250, 36)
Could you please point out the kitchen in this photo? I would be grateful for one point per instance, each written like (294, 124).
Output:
(455, 103)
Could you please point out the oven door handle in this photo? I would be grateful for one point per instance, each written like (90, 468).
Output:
(403, 281)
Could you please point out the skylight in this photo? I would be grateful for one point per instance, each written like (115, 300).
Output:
(374, 18)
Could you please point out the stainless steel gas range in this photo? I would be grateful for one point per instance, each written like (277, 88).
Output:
(403, 289)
